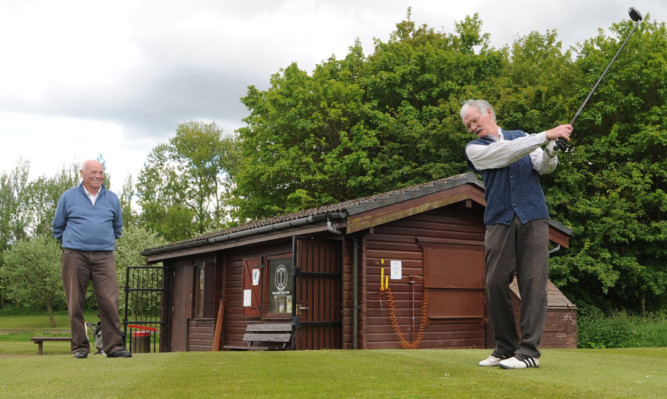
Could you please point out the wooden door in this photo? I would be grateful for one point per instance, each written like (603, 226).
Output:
(181, 307)
(318, 294)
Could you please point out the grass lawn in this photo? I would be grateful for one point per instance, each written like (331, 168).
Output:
(608, 373)
(38, 323)
(16, 331)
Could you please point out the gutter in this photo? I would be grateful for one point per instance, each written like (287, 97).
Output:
(258, 230)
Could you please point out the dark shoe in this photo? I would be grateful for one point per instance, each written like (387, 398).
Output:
(80, 355)
(120, 353)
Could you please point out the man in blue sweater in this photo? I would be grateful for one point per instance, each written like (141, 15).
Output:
(87, 222)
(517, 229)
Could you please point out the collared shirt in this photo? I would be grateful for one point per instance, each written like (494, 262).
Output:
(92, 197)
(504, 152)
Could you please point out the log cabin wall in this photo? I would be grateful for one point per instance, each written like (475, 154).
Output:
(234, 320)
(451, 227)
(434, 230)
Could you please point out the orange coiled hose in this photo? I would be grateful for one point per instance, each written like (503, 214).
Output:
(405, 344)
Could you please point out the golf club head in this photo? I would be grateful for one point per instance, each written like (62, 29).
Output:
(635, 15)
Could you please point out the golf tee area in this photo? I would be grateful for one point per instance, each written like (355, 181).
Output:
(563, 373)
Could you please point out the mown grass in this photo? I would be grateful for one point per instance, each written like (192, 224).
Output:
(16, 331)
(582, 373)
(39, 322)
(608, 373)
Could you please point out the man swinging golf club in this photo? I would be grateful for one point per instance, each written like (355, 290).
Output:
(517, 228)
(516, 218)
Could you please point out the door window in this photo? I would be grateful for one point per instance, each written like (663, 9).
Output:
(280, 286)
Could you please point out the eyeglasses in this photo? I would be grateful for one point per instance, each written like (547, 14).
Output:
(474, 120)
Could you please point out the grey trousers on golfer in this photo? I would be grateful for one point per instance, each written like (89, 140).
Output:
(79, 268)
(524, 249)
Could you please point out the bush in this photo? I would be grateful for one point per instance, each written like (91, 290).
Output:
(620, 330)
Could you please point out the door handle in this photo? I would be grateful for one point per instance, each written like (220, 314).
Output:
(299, 308)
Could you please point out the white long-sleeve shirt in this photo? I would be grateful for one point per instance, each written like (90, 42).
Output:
(504, 152)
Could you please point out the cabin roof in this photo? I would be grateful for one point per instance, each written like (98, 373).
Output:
(356, 214)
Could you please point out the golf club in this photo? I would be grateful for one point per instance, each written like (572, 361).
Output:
(635, 16)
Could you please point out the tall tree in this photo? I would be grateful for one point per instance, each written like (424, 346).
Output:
(14, 220)
(43, 194)
(612, 188)
(31, 274)
(126, 198)
(362, 125)
(184, 186)
(27, 207)
(366, 124)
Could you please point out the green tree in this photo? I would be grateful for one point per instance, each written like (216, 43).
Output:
(362, 125)
(43, 194)
(184, 186)
(535, 90)
(27, 207)
(128, 252)
(611, 189)
(31, 273)
(367, 124)
(14, 220)
(126, 196)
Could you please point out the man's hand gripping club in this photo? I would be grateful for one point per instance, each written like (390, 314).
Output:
(554, 145)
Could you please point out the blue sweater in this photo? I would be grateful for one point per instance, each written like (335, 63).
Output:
(80, 225)
(511, 190)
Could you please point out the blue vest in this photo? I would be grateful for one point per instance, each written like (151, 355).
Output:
(511, 190)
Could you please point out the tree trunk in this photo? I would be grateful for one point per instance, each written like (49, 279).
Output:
(50, 308)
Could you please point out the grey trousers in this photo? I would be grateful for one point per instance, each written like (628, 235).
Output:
(79, 268)
(522, 249)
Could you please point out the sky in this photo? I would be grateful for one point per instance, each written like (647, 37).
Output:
(80, 78)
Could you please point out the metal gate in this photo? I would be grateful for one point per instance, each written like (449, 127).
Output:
(143, 322)
(318, 293)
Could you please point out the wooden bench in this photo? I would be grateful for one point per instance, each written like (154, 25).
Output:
(264, 337)
(40, 341)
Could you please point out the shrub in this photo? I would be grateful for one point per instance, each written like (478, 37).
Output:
(620, 330)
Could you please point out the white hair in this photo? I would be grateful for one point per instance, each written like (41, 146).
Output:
(86, 164)
(481, 105)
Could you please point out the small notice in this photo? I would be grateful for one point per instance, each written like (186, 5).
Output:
(396, 270)
(255, 276)
(247, 298)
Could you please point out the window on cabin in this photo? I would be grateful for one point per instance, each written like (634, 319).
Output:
(268, 287)
(280, 286)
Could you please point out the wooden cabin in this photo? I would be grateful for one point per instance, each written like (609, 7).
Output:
(402, 269)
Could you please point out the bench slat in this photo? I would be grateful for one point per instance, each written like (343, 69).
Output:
(36, 339)
(272, 327)
(246, 348)
(263, 337)
(272, 337)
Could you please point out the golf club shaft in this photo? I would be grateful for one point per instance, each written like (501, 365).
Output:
(636, 16)
(602, 76)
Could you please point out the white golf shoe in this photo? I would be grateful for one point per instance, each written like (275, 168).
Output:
(490, 361)
(516, 363)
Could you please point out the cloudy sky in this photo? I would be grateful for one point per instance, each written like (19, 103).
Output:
(80, 78)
